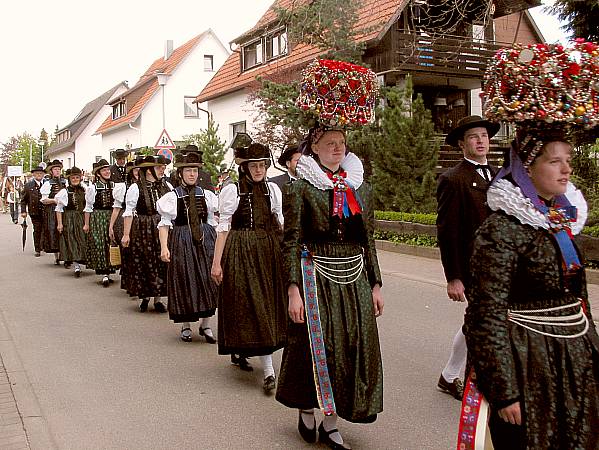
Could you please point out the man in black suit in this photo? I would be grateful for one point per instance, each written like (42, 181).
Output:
(288, 159)
(461, 200)
(118, 171)
(30, 202)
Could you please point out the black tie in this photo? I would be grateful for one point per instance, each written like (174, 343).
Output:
(486, 170)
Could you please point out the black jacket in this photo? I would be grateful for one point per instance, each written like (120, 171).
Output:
(117, 175)
(30, 198)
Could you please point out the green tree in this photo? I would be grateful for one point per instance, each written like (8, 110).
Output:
(212, 148)
(404, 154)
(18, 149)
(581, 17)
(585, 176)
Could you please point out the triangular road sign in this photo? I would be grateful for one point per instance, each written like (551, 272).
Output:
(165, 141)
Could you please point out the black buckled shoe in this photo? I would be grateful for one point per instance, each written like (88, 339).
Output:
(143, 307)
(159, 307)
(241, 362)
(186, 334)
(455, 388)
(209, 339)
(307, 434)
(105, 281)
(325, 438)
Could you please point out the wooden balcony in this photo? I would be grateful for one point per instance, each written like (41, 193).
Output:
(456, 56)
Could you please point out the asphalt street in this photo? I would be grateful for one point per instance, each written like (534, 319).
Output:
(88, 371)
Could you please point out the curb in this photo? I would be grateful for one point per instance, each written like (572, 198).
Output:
(36, 428)
(434, 253)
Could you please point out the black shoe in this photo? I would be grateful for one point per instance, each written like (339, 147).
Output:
(159, 307)
(37, 254)
(57, 262)
(455, 388)
(186, 334)
(325, 438)
(242, 362)
(143, 307)
(77, 272)
(67, 265)
(105, 281)
(209, 339)
(307, 434)
(269, 384)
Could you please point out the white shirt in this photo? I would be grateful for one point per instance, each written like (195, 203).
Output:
(483, 172)
(167, 208)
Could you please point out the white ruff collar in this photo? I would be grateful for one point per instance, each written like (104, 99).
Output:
(309, 170)
(504, 196)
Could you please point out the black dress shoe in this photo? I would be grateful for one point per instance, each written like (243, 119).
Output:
(307, 434)
(186, 334)
(325, 438)
(455, 388)
(209, 339)
(37, 254)
(159, 307)
(105, 281)
(242, 362)
(143, 307)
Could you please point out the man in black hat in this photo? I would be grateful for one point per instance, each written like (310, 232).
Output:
(461, 209)
(30, 202)
(288, 159)
(118, 171)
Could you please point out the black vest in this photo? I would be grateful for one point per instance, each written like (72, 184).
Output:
(56, 185)
(76, 199)
(104, 199)
(183, 206)
(146, 206)
(254, 210)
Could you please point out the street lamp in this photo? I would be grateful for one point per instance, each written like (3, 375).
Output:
(41, 144)
(162, 79)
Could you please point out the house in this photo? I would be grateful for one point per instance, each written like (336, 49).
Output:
(76, 143)
(164, 96)
(447, 69)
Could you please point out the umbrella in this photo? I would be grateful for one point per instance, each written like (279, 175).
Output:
(24, 226)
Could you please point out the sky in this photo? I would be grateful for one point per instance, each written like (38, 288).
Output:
(59, 55)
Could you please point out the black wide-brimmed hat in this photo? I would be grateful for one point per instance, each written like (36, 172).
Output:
(38, 169)
(468, 122)
(129, 166)
(152, 161)
(255, 152)
(99, 165)
(51, 164)
(73, 171)
(191, 159)
(120, 153)
(287, 154)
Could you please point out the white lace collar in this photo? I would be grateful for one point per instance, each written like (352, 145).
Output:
(309, 170)
(505, 196)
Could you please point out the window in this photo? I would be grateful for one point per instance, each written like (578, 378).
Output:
(190, 108)
(118, 110)
(238, 127)
(276, 44)
(208, 63)
(63, 136)
(98, 158)
(252, 55)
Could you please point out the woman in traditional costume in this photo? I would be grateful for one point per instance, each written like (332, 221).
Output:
(115, 229)
(147, 272)
(188, 212)
(70, 203)
(248, 265)
(51, 187)
(98, 208)
(332, 360)
(532, 343)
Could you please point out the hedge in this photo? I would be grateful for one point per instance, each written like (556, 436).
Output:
(426, 219)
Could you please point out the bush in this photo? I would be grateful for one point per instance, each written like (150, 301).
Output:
(420, 240)
(425, 219)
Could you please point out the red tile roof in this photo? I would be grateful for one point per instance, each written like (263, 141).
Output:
(149, 83)
(374, 15)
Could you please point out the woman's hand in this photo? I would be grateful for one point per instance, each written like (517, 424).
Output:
(111, 233)
(511, 414)
(217, 273)
(377, 300)
(59, 228)
(296, 304)
(165, 255)
(125, 241)
(86, 228)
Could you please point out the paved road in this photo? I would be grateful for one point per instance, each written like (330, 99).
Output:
(90, 372)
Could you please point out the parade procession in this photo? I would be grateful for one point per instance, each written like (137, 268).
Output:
(245, 287)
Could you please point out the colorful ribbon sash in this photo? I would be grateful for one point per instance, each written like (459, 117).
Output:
(324, 390)
(345, 202)
(473, 418)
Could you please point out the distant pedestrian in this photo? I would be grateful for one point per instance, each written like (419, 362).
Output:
(31, 204)
(13, 203)
(288, 159)
(51, 187)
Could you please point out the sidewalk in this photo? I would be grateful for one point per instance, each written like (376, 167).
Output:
(12, 430)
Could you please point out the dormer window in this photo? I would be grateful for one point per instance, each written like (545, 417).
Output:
(264, 49)
(118, 110)
(63, 136)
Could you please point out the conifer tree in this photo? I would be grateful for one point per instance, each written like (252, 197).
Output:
(581, 17)
(212, 148)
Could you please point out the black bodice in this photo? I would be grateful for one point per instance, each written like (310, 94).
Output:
(254, 210)
(76, 198)
(104, 199)
(56, 185)
(183, 206)
(149, 194)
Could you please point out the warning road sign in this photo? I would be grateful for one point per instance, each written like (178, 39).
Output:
(165, 141)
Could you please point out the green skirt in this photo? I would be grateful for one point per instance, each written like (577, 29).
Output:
(98, 242)
(351, 345)
(72, 239)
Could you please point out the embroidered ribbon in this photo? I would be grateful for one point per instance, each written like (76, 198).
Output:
(345, 202)
(324, 390)
(473, 418)
(559, 219)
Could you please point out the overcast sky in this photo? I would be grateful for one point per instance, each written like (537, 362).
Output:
(60, 54)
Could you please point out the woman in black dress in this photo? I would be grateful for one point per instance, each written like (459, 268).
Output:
(188, 213)
(51, 187)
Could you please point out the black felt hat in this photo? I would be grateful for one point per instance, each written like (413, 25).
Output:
(468, 122)
(38, 169)
(152, 160)
(191, 159)
(73, 171)
(120, 153)
(255, 152)
(51, 164)
(99, 165)
(287, 154)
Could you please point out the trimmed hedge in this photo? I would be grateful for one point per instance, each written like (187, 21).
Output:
(591, 231)
(425, 219)
(420, 240)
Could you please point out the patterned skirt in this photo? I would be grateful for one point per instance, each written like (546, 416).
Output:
(50, 235)
(146, 273)
(351, 345)
(98, 242)
(72, 239)
(191, 292)
(252, 304)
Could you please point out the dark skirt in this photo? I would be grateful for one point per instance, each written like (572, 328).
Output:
(50, 235)
(351, 345)
(191, 292)
(98, 242)
(118, 228)
(252, 303)
(72, 239)
(146, 272)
